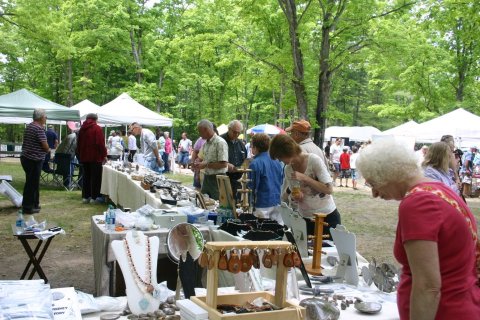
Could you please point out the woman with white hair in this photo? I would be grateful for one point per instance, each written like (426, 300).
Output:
(436, 240)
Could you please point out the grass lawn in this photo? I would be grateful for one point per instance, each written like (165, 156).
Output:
(69, 260)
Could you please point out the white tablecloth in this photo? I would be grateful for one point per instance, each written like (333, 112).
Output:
(125, 192)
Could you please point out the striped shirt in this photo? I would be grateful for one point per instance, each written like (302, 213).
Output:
(33, 137)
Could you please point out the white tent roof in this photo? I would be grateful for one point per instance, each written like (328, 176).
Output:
(353, 133)
(85, 107)
(461, 124)
(125, 110)
(405, 129)
(222, 128)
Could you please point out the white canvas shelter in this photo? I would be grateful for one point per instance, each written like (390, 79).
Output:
(125, 110)
(406, 129)
(85, 107)
(222, 128)
(461, 124)
(353, 133)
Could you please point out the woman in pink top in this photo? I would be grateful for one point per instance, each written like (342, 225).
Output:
(436, 240)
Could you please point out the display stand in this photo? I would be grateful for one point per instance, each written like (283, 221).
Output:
(225, 194)
(298, 226)
(244, 197)
(345, 242)
(139, 300)
(315, 266)
(210, 302)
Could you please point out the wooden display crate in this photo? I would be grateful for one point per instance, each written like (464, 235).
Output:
(212, 299)
(290, 311)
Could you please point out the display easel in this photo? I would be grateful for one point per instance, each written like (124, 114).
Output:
(225, 194)
(212, 299)
(315, 266)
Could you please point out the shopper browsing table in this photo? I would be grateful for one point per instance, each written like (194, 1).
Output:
(309, 181)
(436, 237)
(215, 158)
(149, 146)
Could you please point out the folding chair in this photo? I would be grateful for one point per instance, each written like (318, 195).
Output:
(64, 174)
(47, 174)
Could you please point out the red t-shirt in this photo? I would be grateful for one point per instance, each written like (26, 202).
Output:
(424, 216)
(345, 161)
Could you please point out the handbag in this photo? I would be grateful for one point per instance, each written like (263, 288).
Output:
(454, 203)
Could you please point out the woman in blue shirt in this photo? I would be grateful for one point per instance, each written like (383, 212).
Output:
(266, 179)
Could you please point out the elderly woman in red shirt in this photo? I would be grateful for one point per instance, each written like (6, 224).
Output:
(436, 240)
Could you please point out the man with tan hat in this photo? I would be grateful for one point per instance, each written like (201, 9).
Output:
(300, 132)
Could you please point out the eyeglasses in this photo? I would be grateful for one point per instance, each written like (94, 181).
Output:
(235, 132)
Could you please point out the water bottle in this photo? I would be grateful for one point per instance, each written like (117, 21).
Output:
(20, 223)
(108, 218)
(112, 218)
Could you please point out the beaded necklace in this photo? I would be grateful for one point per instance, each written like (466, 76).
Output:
(148, 274)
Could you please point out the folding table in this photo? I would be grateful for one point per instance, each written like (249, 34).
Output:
(35, 256)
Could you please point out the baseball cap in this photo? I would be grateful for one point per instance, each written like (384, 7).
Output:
(300, 126)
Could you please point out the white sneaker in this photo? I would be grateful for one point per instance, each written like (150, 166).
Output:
(85, 200)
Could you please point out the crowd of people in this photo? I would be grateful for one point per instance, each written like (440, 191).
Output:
(436, 240)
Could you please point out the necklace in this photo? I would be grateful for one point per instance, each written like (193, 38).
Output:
(143, 303)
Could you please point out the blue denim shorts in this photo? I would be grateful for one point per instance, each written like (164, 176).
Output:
(354, 174)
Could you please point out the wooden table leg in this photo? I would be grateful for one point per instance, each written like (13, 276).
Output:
(33, 260)
(26, 245)
(40, 257)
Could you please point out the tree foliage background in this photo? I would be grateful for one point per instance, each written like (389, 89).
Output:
(334, 62)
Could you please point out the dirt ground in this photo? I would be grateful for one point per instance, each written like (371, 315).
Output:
(69, 261)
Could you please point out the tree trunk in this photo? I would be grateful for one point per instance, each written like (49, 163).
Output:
(324, 85)
(136, 52)
(356, 110)
(290, 10)
(69, 83)
(459, 90)
(161, 77)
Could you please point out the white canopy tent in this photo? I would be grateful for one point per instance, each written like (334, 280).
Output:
(406, 129)
(222, 128)
(461, 124)
(85, 107)
(125, 110)
(353, 133)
